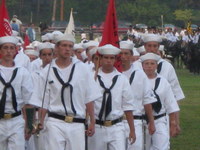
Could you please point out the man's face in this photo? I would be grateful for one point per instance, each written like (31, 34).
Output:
(149, 66)
(8, 51)
(46, 55)
(108, 61)
(152, 47)
(64, 49)
(78, 53)
(126, 56)
(32, 57)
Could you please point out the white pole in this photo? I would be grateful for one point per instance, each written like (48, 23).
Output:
(162, 22)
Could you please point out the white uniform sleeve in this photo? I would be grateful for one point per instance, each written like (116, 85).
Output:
(173, 80)
(27, 86)
(39, 86)
(170, 102)
(127, 96)
(92, 91)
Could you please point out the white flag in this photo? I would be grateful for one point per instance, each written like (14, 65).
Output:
(70, 27)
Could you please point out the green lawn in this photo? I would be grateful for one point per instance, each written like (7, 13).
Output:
(190, 113)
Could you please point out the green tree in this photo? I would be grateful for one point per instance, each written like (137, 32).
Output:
(184, 15)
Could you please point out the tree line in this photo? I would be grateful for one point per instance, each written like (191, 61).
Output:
(87, 12)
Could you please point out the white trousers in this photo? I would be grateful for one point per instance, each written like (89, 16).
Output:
(139, 143)
(64, 136)
(108, 138)
(12, 134)
(160, 139)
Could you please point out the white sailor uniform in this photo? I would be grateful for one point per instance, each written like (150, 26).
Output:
(116, 98)
(168, 72)
(67, 92)
(15, 91)
(142, 95)
(168, 104)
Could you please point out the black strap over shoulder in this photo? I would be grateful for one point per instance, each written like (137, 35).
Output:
(3, 98)
(132, 77)
(107, 106)
(157, 105)
(159, 68)
(65, 85)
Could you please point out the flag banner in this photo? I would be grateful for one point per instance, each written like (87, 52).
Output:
(110, 31)
(70, 27)
(26, 41)
(5, 28)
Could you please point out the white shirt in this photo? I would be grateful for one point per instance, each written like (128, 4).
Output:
(168, 72)
(185, 38)
(36, 65)
(164, 91)
(141, 90)
(22, 85)
(122, 97)
(84, 89)
(22, 60)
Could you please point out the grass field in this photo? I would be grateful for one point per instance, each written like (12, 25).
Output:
(190, 113)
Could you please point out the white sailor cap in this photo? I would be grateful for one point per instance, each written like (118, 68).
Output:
(135, 52)
(45, 45)
(78, 46)
(161, 48)
(29, 47)
(31, 52)
(47, 37)
(15, 33)
(150, 56)
(93, 51)
(65, 37)
(8, 39)
(50, 36)
(152, 38)
(44, 38)
(141, 49)
(90, 43)
(35, 44)
(55, 34)
(108, 49)
(126, 45)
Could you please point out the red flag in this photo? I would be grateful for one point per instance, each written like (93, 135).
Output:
(26, 41)
(110, 31)
(5, 28)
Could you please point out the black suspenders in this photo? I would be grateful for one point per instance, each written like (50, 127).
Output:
(3, 98)
(106, 105)
(157, 105)
(65, 85)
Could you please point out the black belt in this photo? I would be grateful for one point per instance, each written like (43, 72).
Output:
(68, 119)
(139, 117)
(159, 116)
(108, 123)
(9, 116)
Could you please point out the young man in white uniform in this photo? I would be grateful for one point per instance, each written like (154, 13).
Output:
(46, 55)
(116, 100)
(143, 96)
(16, 89)
(66, 98)
(152, 43)
(166, 104)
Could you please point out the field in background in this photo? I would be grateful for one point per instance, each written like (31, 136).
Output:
(190, 113)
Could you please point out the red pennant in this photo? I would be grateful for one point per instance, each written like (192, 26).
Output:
(110, 31)
(26, 41)
(5, 28)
